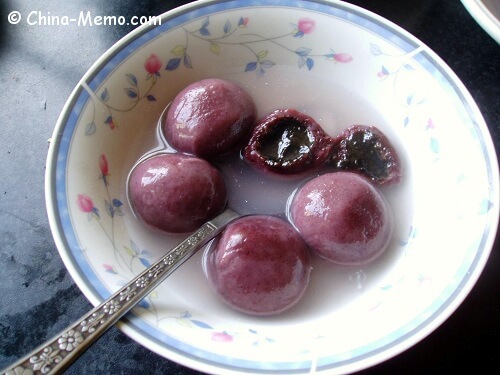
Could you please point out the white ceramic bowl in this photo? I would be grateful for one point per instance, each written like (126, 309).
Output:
(343, 66)
(487, 15)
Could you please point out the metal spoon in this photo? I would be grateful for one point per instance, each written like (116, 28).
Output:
(59, 352)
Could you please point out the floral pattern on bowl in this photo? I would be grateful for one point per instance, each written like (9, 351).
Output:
(343, 66)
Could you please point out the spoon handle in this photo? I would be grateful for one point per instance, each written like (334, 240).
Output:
(59, 352)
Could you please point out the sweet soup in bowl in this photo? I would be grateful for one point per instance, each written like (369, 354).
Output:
(260, 264)
(356, 76)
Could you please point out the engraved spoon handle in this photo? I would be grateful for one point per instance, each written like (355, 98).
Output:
(59, 352)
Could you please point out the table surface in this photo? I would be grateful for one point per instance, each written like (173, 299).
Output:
(40, 66)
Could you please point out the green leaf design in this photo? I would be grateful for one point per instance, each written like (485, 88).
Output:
(131, 92)
(184, 322)
(262, 54)
(227, 27)
(201, 324)
(434, 145)
(105, 95)
(132, 79)
(179, 50)
(90, 128)
(215, 48)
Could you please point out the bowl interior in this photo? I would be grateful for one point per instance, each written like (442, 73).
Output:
(342, 66)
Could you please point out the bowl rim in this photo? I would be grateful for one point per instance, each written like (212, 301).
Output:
(384, 352)
(484, 17)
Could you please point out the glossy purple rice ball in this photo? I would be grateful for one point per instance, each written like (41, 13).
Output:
(176, 193)
(260, 265)
(343, 218)
(210, 117)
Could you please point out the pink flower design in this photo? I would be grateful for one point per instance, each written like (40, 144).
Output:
(85, 203)
(109, 121)
(152, 64)
(339, 57)
(383, 73)
(221, 337)
(109, 268)
(243, 22)
(306, 26)
(103, 165)
(430, 124)
(342, 57)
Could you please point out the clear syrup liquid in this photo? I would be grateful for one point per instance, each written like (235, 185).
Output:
(331, 287)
